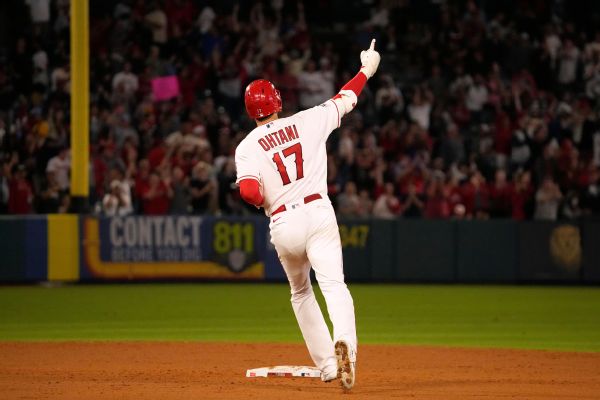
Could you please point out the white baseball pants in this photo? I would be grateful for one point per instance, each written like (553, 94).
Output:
(307, 235)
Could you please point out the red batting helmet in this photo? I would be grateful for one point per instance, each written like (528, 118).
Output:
(262, 99)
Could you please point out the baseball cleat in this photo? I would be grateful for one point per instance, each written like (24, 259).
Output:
(330, 376)
(346, 368)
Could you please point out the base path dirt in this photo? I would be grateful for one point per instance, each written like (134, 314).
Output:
(148, 370)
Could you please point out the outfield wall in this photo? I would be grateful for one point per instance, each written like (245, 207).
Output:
(85, 248)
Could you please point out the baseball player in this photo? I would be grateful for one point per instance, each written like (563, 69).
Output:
(282, 167)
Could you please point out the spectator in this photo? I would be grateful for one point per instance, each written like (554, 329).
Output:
(181, 192)
(287, 83)
(60, 78)
(156, 20)
(437, 205)
(387, 206)
(60, 167)
(452, 147)
(346, 147)
(571, 207)
(328, 78)
(419, 109)
(205, 19)
(475, 196)
(503, 133)
(124, 132)
(477, 97)
(55, 129)
(156, 197)
(141, 179)
(20, 195)
(313, 86)
(50, 199)
(520, 145)
(365, 204)
(180, 13)
(65, 204)
(40, 66)
(5, 168)
(591, 195)
(454, 192)
(412, 203)
(521, 198)
(568, 63)
(348, 201)
(388, 98)
(230, 84)
(547, 200)
(40, 11)
(201, 188)
(500, 193)
(117, 200)
(126, 81)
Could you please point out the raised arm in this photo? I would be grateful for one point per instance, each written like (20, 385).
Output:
(346, 99)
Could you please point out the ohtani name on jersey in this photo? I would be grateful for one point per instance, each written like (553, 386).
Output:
(280, 137)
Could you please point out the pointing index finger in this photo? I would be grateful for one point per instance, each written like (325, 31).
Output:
(372, 45)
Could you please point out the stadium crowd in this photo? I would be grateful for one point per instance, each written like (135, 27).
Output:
(477, 111)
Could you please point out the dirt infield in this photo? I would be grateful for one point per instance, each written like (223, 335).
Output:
(216, 371)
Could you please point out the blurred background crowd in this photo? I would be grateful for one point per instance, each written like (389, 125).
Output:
(480, 109)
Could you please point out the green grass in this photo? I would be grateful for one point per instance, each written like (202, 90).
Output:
(565, 318)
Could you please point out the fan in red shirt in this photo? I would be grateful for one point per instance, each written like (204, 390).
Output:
(142, 178)
(522, 196)
(475, 196)
(503, 133)
(157, 153)
(20, 193)
(180, 13)
(500, 192)
(437, 205)
(156, 198)
(454, 194)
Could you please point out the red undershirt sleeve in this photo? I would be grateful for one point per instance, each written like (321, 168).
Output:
(356, 84)
(250, 192)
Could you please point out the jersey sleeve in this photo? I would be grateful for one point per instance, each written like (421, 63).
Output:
(322, 119)
(245, 164)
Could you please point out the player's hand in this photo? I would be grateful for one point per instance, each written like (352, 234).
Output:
(369, 60)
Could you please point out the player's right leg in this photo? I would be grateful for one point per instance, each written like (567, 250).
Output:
(289, 238)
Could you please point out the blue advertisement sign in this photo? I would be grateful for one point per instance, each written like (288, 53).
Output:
(151, 239)
(173, 247)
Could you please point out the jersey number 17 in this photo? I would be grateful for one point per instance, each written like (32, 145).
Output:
(297, 151)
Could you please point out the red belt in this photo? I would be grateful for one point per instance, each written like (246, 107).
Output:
(307, 200)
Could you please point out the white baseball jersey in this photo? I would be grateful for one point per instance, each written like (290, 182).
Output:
(288, 155)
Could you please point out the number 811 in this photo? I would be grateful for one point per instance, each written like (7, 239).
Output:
(229, 236)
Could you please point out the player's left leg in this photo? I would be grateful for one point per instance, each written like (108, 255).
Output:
(309, 316)
(324, 250)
